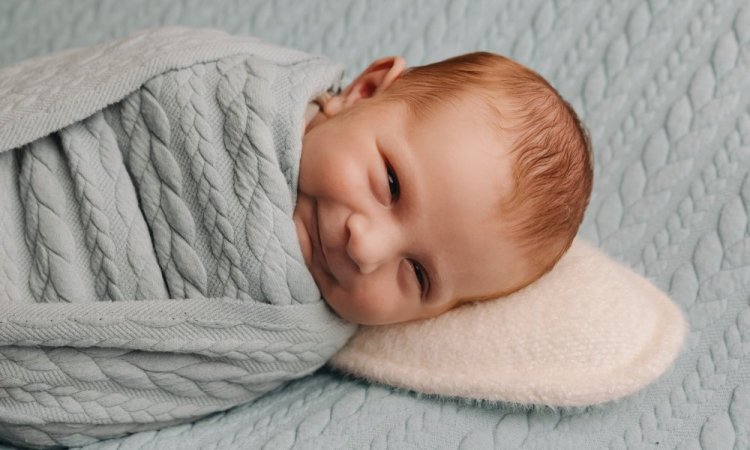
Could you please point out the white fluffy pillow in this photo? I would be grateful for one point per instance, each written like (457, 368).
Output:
(589, 331)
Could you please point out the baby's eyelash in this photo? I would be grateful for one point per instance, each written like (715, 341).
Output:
(421, 275)
(393, 184)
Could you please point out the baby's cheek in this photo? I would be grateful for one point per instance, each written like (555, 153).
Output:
(364, 302)
(377, 304)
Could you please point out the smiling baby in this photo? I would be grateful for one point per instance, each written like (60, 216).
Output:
(425, 188)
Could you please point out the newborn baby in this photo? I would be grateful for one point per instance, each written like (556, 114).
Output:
(156, 251)
(425, 188)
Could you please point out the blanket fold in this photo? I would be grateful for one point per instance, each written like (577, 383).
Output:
(150, 269)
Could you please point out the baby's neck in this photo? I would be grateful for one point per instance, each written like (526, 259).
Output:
(314, 114)
(316, 119)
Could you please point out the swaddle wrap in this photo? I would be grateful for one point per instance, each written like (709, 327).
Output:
(150, 272)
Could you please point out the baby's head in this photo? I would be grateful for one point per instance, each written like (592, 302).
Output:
(421, 189)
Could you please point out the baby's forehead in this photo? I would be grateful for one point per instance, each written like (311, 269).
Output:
(465, 116)
(492, 111)
(464, 158)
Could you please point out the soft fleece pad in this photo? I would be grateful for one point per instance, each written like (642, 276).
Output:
(589, 331)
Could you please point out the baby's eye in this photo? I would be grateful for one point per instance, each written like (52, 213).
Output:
(393, 185)
(421, 276)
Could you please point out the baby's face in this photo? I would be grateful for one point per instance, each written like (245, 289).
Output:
(398, 217)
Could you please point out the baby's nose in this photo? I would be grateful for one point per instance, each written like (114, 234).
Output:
(371, 243)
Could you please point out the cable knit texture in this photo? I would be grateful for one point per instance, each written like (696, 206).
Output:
(150, 270)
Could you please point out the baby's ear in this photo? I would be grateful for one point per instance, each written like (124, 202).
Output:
(373, 80)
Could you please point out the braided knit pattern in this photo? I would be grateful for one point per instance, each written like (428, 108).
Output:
(52, 276)
(138, 250)
(150, 271)
(159, 180)
(91, 202)
(199, 145)
(242, 145)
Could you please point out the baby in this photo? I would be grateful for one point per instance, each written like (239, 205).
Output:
(418, 190)
(425, 188)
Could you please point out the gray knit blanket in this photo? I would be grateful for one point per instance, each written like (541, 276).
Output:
(150, 272)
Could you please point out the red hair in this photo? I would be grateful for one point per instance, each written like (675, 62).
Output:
(551, 150)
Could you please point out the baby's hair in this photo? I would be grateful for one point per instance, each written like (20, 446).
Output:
(551, 147)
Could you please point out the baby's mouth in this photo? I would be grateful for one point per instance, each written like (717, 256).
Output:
(321, 250)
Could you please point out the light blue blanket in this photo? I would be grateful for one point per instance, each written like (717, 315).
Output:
(151, 272)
